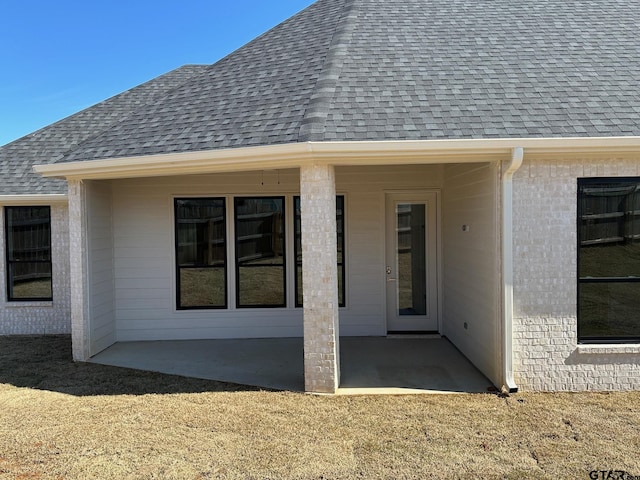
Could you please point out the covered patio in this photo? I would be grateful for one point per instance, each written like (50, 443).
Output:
(369, 365)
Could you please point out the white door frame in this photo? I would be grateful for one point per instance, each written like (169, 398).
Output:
(417, 196)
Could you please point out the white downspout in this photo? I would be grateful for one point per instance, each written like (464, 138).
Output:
(517, 156)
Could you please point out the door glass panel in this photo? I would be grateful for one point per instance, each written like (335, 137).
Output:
(411, 258)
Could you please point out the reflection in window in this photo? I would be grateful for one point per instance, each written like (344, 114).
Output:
(201, 252)
(609, 259)
(411, 268)
(340, 248)
(28, 240)
(260, 251)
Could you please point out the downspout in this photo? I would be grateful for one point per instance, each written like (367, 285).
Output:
(517, 156)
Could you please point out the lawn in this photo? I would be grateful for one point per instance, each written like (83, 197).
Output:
(60, 419)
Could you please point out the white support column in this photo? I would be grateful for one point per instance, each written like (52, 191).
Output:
(78, 270)
(319, 278)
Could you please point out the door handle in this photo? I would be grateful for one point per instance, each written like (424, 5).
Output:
(389, 279)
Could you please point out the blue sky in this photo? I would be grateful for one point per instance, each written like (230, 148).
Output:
(58, 57)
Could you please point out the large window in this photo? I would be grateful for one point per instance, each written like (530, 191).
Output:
(201, 252)
(260, 252)
(340, 248)
(609, 260)
(258, 274)
(28, 249)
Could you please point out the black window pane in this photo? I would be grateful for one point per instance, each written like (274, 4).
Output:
(609, 310)
(261, 287)
(621, 259)
(202, 287)
(28, 281)
(201, 252)
(28, 241)
(609, 259)
(297, 239)
(341, 300)
(200, 232)
(299, 285)
(260, 251)
(609, 229)
(29, 234)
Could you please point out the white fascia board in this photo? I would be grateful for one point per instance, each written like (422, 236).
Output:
(293, 155)
(28, 200)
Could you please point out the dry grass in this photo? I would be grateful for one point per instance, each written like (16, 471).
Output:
(59, 419)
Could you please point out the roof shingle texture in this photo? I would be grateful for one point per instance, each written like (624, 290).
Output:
(429, 69)
(53, 142)
(258, 95)
(351, 70)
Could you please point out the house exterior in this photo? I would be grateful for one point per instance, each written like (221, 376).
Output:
(366, 167)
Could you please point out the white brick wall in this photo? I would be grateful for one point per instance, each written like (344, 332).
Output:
(29, 318)
(546, 353)
(320, 278)
(78, 270)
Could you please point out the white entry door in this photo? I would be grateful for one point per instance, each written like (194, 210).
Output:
(411, 262)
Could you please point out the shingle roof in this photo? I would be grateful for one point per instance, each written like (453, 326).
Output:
(428, 69)
(349, 70)
(53, 142)
(258, 95)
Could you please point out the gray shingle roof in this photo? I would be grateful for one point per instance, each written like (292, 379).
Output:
(428, 69)
(349, 70)
(258, 95)
(53, 142)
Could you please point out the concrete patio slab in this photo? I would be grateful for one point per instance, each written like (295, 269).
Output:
(369, 365)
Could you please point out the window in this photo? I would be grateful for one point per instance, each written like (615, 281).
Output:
(340, 247)
(259, 240)
(28, 250)
(609, 260)
(201, 253)
(260, 252)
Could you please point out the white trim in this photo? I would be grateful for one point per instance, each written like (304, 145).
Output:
(294, 155)
(419, 196)
(27, 200)
(608, 349)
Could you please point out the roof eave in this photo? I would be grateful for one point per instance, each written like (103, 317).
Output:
(34, 199)
(294, 155)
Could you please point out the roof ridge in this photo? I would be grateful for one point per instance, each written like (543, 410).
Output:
(315, 116)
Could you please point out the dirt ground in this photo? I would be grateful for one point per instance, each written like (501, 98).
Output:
(66, 420)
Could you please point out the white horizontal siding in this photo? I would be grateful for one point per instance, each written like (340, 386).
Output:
(101, 270)
(143, 242)
(470, 261)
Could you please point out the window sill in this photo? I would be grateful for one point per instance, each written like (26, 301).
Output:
(609, 349)
(28, 304)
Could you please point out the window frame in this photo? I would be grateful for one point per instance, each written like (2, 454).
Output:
(237, 266)
(342, 245)
(613, 339)
(178, 268)
(9, 263)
